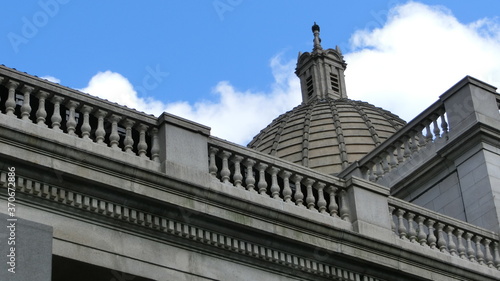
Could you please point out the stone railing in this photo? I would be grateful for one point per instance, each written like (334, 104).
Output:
(448, 119)
(272, 177)
(420, 136)
(68, 111)
(445, 234)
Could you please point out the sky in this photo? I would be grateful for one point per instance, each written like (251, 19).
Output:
(229, 64)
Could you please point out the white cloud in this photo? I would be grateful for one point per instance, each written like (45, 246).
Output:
(51, 79)
(419, 53)
(403, 66)
(116, 88)
(238, 116)
(233, 115)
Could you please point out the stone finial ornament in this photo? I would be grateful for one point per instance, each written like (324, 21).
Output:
(317, 40)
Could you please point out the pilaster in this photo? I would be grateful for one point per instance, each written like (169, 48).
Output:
(183, 142)
(369, 208)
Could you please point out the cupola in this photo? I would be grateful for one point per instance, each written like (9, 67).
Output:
(327, 131)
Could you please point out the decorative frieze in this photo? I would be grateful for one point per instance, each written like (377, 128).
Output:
(166, 225)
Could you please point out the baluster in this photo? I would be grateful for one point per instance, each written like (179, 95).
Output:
(56, 116)
(364, 172)
(444, 126)
(452, 247)
(142, 145)
(287, 191)
(421, 139)
(401, 224)
(10, 103)
(421, 235)
(371, 174)
(479, 251)
(333, 207)
(384, 163)
(262, 184)
(407, 151)
(441, 242)
(128, 141)
(249, 177)
(471, 254)
(344, 208)
(298, 196)
(26, 107)
(392, 158)
(114, 137)
(437, 132)
(237, 176)
(488, 255)
(460, 247)
(496, 252)
(212, 168)
(413, 144)
(71, 122)
(412, 233)
(155, 145)
(86, 123)
(310, 200)
(100, 132)
(275, 188)
(431, 238)
(41, 113)
(400, 155)
(319, 186)
(379, 172)
(391, 217)
(225, 172)
(428, 133)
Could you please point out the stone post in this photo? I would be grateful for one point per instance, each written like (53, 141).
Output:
(369, 208)
(468, 102)
(473, 118)
(183, 143)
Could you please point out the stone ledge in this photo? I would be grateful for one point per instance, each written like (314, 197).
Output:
(183, 123)
(350, 244)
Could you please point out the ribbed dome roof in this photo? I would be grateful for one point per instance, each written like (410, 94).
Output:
(328, 131)
(327, 134)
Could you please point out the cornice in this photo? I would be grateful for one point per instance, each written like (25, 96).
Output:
(84, 205)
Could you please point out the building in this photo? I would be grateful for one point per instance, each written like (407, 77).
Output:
(334, 189)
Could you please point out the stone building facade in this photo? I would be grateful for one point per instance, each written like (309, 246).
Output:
(335, 189)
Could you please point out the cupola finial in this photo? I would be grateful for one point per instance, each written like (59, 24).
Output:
(317, 40)
(321, 72)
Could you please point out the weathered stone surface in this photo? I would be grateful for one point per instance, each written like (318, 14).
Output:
(26, 248)
(149, 198)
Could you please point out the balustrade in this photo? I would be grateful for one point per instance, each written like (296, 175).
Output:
(424, 132)
(79, 115)
(444, 234)
(266, 176)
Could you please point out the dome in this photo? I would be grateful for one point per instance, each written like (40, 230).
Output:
(328, 134)
(328, 131)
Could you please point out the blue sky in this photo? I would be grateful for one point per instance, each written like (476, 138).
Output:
(229, 63)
